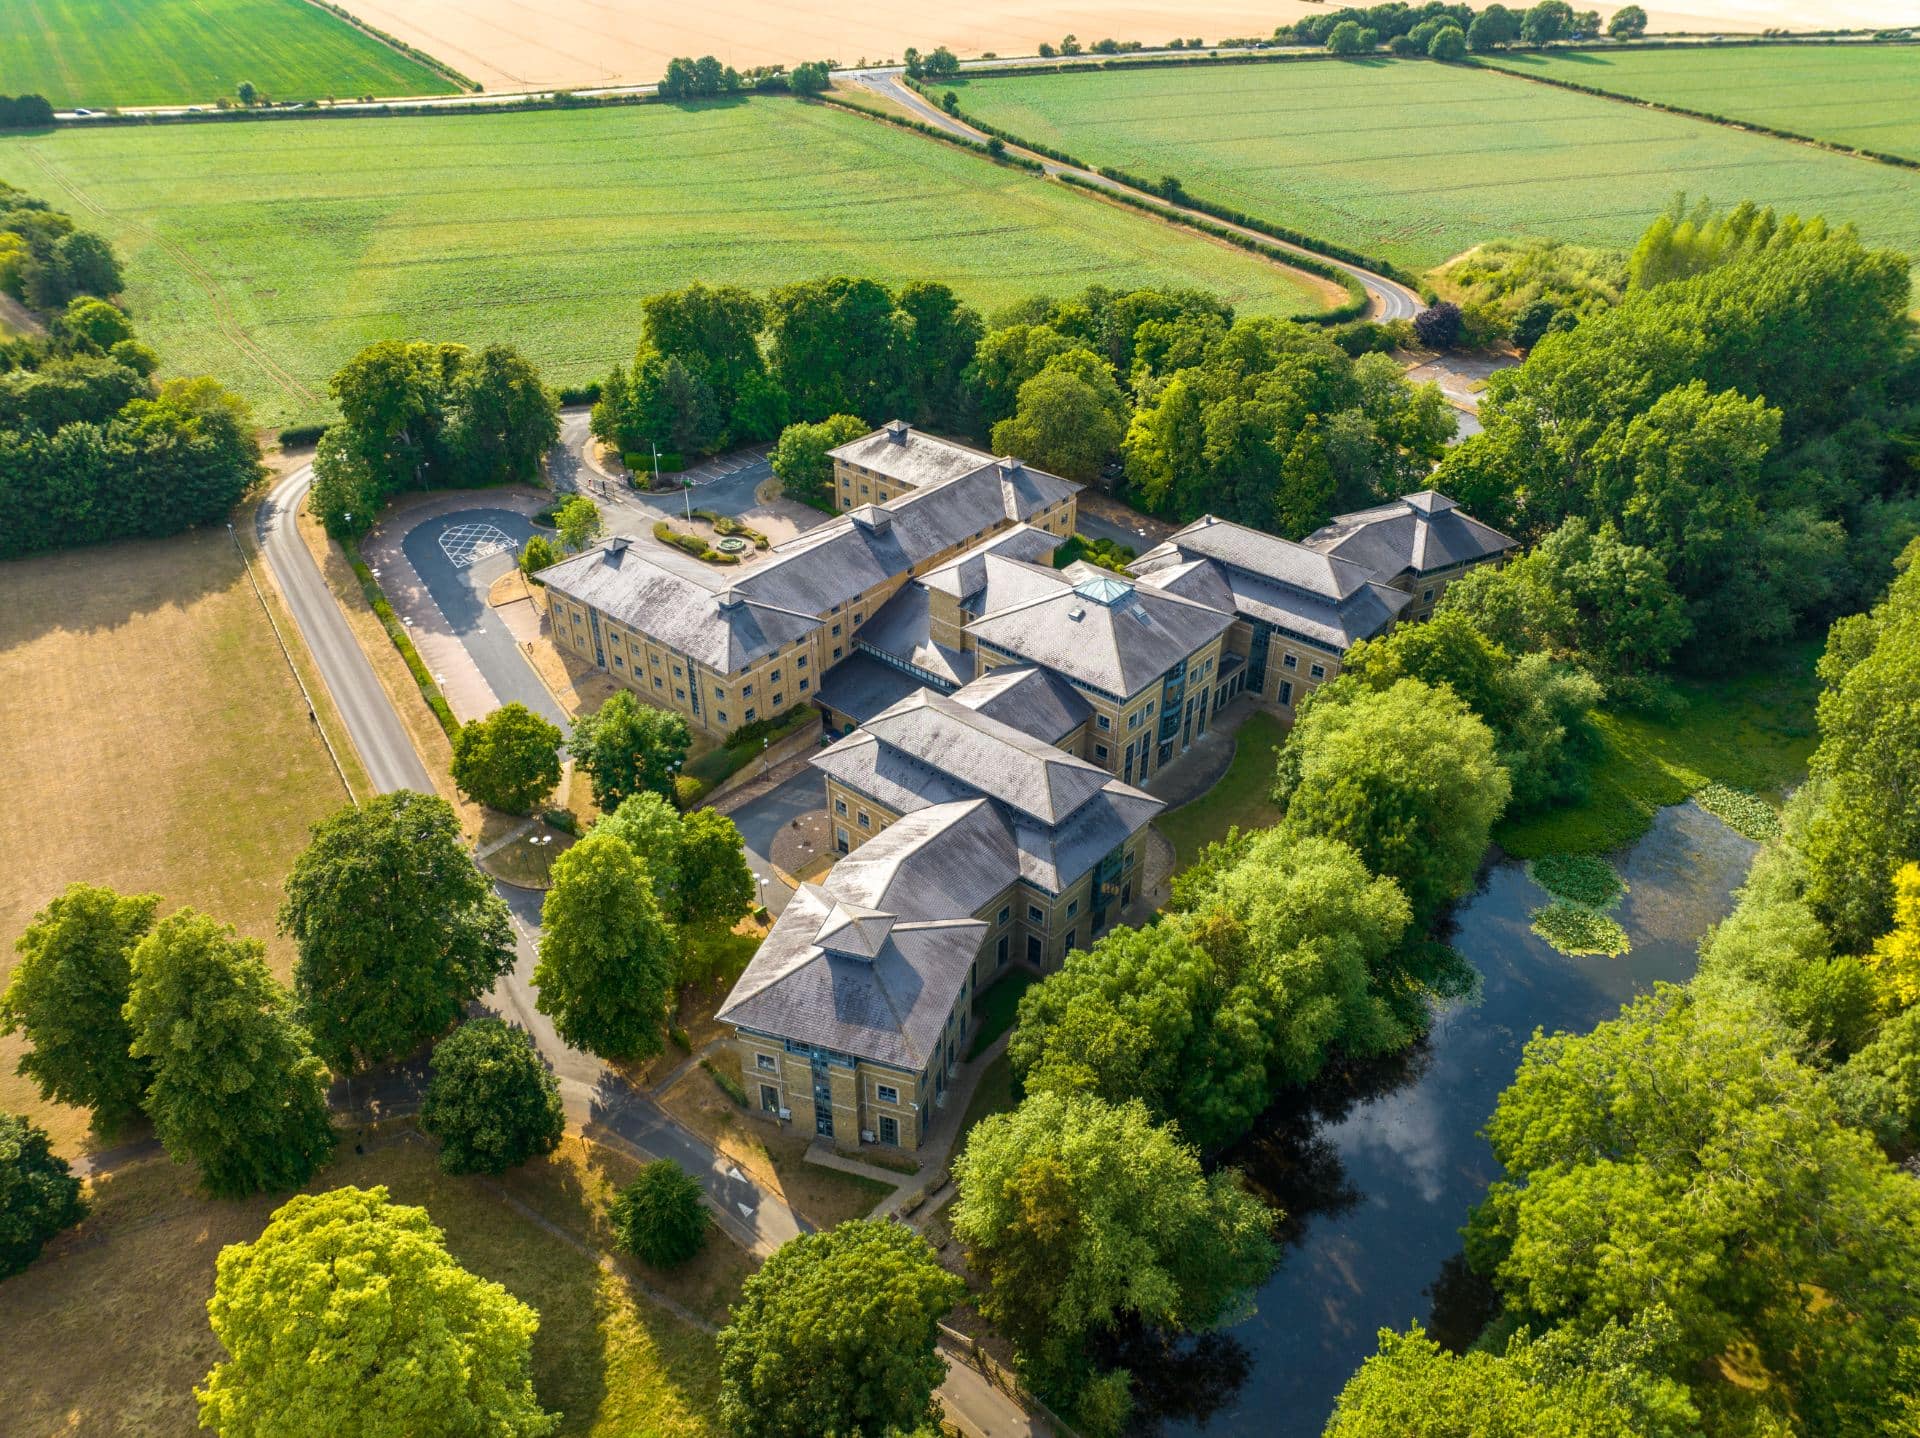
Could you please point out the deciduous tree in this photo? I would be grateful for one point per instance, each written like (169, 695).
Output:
(606, 968)
(835, 1334)
(39, 1196)
(509, 761)
(236, 1087)
(491, 1102)
(68, 999)
(801, 461)
(628, 747)
(661, 1217)
(348, 1315)
(396, 929)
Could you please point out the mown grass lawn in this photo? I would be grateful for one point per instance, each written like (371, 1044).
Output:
(107, 1333)
(1865, 96)
(1415, 161)
(1753, 732)
(997, 1006)
(103, 53)
(547, 230)
(1243, 797)
(153, 741)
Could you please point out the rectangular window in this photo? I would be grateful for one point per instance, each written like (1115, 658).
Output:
(766, 1063)
(1000, 953)
(836, 651)
(1426, 596)
(886, 1093)
(680, 694)
(774, 677)
(1034, 916)
(1286, 692)
(840, 807)
(1073, 936)
(750, 716)
(721, 715)
(805, 684)
(618, 662)
(746, 691)
(858, 617)
(800, 663)
(1006, 912)
(769, 1098)
(1318, 671)
(1102, 722)
(1073, 908)
(840, 840)
(718, 692)
(836, 631)
(657, 684)
(865, 822)
(1133, 719)
(778, 700)
(1291, 661)
(890, 1132)
(1100, 752)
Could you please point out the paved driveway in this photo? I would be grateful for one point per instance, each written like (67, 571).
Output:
(762, 818)
(455, 558)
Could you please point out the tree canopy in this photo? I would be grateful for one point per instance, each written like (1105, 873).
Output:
(492, 1102)
(39, 1196)
(348, 1316)
(627, 747)
(661, 1217)
(509, 760)
(835, 1334)
(68, 998)
(396, 928)
(607, 956)
(236, 1087)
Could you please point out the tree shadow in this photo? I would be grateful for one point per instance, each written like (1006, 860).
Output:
(97, 589)
(1183, 1380)
(1464, 1303)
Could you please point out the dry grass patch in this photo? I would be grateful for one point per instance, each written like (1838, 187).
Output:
(774, 1158)
(108, 1333)
(154, 740)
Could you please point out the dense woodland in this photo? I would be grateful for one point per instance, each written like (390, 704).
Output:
(91, 448)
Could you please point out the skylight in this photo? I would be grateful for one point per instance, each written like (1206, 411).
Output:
(1106, 590)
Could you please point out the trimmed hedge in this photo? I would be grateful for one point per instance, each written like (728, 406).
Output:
(580, 393)
(1358, 302)
(302, 434)
(1904, 162)
(959, 142)
(727, 524)
(694, 544)
(397, 632)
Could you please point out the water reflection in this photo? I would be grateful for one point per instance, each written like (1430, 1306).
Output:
(1377, 1164)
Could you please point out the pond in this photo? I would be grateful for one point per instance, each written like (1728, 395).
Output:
(1376, 1167)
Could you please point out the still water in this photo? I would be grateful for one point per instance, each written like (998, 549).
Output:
(1376, 1169)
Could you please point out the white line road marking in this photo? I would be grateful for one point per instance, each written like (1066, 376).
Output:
(467, 544)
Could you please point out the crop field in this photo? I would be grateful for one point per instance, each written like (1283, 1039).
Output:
(269, 253)
(1415, 162)
(1865, 96)
(102, 53)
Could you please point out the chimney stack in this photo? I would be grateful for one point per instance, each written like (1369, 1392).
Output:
(897, 430)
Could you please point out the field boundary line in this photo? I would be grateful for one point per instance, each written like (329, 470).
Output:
(1752, 127)
(229, 328)
(398, 46)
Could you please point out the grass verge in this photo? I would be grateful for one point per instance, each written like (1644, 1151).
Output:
(1243, 797)
(107, 1334)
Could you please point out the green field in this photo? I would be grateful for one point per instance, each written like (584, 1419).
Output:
(102, 53)
(1415, 162)
(267, 254)
(1864, 96)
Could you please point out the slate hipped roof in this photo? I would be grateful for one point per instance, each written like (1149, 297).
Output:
(1101, 628)
(1324, 599)
(728, 619)
(812, 983)
(1418, 534)
(1034, 701)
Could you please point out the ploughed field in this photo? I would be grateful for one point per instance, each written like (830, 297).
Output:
(268, 253)
(1414, 161)
(1863, 96)
(102, 53)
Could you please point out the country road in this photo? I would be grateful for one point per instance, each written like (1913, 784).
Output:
(592, 1092)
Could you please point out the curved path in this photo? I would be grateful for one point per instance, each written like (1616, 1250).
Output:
(1387, 299)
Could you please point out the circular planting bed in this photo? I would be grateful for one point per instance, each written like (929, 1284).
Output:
(731, 544)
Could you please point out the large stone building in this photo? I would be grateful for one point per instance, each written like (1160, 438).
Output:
(995, 719)
(727, 646)
(972, 846)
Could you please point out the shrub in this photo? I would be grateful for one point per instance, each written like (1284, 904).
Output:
(729, 1085)
(301, 435)
(661, 1217)
(689, 790)
(1438, 326)
(39, 1196)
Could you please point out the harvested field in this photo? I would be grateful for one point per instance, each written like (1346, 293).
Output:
(1414, 162)
(1863, 96)
(103, 53)
(268, 254)
(154, 741)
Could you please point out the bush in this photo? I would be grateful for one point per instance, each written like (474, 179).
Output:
(661, 1217)
(301, 435)
(1438, 326)
(579, 393)
(39, 1196)
(729, 1085)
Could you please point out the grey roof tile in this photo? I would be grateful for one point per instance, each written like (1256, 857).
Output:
(901, 628)
(1034, 701)
(860, 686)
(1418, 533)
